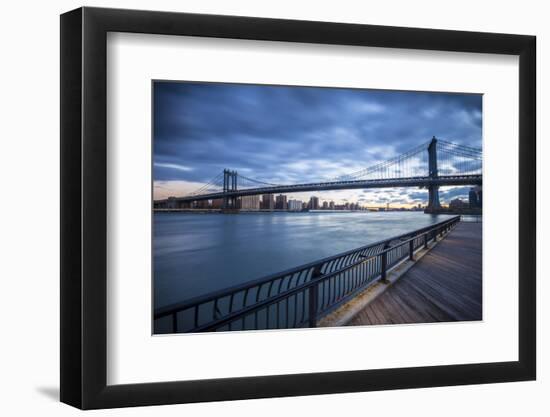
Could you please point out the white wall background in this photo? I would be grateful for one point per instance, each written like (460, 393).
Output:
(29, 210)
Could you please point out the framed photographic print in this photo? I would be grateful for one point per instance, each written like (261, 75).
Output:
(258, 207)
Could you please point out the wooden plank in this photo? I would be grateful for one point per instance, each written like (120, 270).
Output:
(401, 314)
(412, 314)
(445, 285)
(418, 301)
(380, 319)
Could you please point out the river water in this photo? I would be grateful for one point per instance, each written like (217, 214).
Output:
(195, 254)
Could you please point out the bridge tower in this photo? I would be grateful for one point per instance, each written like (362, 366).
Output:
(433, 190)
(229, 184)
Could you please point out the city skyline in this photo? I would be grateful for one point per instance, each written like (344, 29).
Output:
(278, 202)
(298, 134)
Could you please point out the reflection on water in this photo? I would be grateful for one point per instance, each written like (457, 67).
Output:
(195, 254)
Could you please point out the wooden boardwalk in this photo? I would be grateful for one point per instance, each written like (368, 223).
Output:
(445, 285)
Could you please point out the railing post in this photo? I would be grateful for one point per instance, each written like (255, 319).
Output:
(314, 297)
(425, 241)
(384, 265)
(411, 249)
(313, 303)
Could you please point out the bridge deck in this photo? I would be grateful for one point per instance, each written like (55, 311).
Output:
(445, 285)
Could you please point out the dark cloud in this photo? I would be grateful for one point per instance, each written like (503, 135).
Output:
(297, 134)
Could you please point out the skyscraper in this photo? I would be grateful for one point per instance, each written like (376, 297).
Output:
(479, 192)
(314, 203)
(472, 198)
(249, 202)
(294, 205)
(280, 202)
(457, 203)
(268, 203)
(217, 203)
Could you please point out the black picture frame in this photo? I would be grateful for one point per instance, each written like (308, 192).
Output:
(84, 207)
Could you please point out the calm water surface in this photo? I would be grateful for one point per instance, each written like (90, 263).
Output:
(195, 254)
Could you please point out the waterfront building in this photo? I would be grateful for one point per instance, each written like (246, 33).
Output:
(171, 203)
(472, 198)
(249, 202)
(479, 195)
(217, 203)
(457, 203)
(280, 202)
(325, 205)
(331, 205)
(268, 202)
(314, 203)
(203, 204)
(295, 205)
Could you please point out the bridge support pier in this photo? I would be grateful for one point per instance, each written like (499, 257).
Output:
(433, 190)
(229, 184)
(433, 199)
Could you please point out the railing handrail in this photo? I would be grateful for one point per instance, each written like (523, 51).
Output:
(177, 307)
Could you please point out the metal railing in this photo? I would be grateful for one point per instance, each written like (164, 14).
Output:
(300, 296)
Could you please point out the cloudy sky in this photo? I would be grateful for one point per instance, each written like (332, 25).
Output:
(288, 135)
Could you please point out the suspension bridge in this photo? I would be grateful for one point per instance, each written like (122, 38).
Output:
(429, 165)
